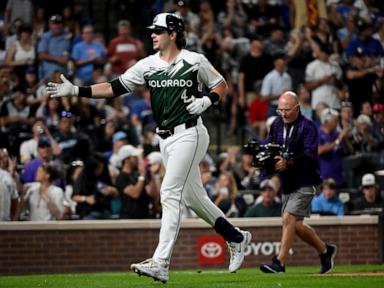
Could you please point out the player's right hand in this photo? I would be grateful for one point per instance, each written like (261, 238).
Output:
(62, 89)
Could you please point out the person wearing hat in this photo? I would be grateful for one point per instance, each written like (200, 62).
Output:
(44, 157)
(328, 202)
(360, 78)
(174, 77)
(370, 198)
(268, 207)
(371, 46)
(53, 48)
(332, 146)
(131, 184)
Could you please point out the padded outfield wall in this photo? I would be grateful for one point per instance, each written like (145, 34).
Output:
(93, 246)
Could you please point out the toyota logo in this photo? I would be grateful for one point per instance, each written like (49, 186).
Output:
(211, 250)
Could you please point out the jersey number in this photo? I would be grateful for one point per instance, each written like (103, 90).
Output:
(185, 98)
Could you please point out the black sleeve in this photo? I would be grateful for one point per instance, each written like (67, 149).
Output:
(118, 88)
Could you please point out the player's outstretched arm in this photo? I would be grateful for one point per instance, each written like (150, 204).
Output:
(67, 89)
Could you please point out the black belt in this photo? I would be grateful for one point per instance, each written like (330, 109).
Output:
(165, 133)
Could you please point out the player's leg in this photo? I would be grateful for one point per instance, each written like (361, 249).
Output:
(197, 199)
(178, 154)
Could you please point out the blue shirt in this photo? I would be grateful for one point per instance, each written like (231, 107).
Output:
(83, 51)
(54, 45)
(371, 47)
(322, 205)
(301, 147)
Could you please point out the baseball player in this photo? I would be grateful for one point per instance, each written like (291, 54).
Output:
(175, 78)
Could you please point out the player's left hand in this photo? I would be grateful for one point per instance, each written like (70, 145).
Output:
(199, 105)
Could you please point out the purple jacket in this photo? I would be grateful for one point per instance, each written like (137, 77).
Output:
(301, 146)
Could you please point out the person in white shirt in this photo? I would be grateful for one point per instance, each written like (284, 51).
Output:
(43, 200)
(321, 76)
(9, 195)
(28, 149)
(276, 82)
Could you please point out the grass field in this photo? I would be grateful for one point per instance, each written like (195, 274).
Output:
(367, 276)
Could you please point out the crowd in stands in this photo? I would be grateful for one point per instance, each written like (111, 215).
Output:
(81, 158)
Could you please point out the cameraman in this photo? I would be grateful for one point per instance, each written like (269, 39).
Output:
(298, 170)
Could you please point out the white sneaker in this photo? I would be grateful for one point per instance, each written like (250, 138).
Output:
(152, 269)
(236, 251)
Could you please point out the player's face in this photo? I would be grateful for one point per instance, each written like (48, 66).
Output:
(160, 39)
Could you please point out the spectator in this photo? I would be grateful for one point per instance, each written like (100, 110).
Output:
(124, 50)
(209, 32)
(28, 149)
(22, 53)
(50, 110)
(225, 195)
(18, 9)
(9, 196)
(360, 78)
(362, 139)
(44, 156)
(182, 9)
(233, 18)
(207, 178)
(378, 124)
(346, 117)
(39, 24)
(276, 43)
(321, 76)
(131, 184)
(328, 202)
(154, 175)
(11, 38)
(65, 136)
(331, 147)
(53, 48)
(71, 176)
(16, 117)
(299, 55)
(119, 139)
(347, 33)
(253, 67)
(305, 103)
(44, 200)
(275, 83)
(263, 17)
(379, 35)
(268, 207)
(370, 46)
(86, 55)
(370, 199)
(92, 191)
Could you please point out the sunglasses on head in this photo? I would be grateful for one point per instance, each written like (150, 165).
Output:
(65, 114)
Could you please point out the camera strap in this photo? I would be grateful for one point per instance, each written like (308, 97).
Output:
(287, 135)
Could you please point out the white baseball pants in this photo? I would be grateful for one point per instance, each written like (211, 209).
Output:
(182, 153)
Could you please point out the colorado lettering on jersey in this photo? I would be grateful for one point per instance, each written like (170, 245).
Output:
(170, 83)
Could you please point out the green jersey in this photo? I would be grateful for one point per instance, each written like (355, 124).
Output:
(172, 86)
